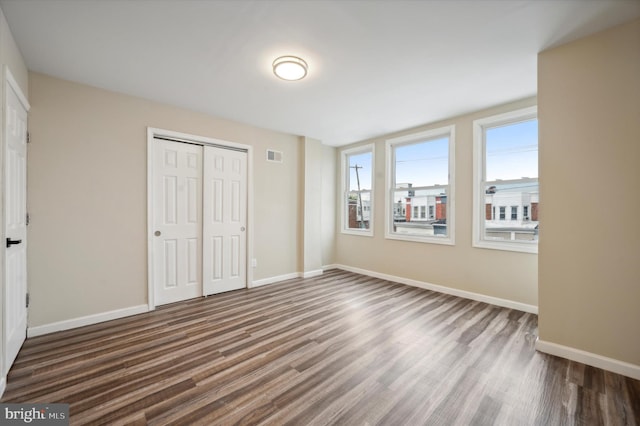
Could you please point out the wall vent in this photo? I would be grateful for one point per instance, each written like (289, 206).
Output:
(274, 156)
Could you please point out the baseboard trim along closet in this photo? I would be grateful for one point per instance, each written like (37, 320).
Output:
(311, 274)
(589, 358)
(87, 320)
(446, 290)
(276, 279)
(3, 385)
(279, 278)
(134, 310)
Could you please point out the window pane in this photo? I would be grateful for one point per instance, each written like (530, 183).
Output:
(512, 151)
(423, 164)
(359, 210)
(415, 204)
(358, 170)
(420, 188)
(512, 197)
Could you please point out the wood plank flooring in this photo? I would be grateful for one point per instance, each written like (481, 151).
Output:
(341, 349)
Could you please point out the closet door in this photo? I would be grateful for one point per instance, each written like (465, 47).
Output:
(177, 221)
(225, 220)
(15, 216)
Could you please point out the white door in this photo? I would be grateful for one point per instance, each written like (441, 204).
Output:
(225, 220)
(177, 221)
(15, 213)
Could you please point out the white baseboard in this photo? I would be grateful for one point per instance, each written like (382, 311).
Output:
(594, 360)
(3, 385)
(275, 279)
(328, 267)
(88, 320)
(311, 274)
(505, 303)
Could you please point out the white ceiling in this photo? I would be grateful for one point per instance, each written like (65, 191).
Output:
(375, 67)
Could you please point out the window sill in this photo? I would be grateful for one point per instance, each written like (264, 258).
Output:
(531, 248)
(363, 233)
(417, 239)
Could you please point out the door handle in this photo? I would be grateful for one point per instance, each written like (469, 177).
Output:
(11, 242)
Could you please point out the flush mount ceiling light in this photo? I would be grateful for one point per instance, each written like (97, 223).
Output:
(290, 68)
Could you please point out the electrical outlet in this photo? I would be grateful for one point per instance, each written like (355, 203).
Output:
(254, 262)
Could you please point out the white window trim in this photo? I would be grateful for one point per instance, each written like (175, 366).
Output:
(343, 188)
(478, 172)
(447, 131)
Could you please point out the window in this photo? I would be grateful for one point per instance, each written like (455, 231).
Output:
(506, 176)
(357, 172)
(420, 181)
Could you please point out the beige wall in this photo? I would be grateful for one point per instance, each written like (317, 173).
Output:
(328, 206)
(505, 275)
(87, 196)
(10, 55)
(589, 269)
(312, 149)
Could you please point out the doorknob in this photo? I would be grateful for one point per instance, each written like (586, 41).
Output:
(242, 229)
(11, 242)
(157, 233)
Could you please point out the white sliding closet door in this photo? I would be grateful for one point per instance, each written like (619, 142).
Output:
(177, 214)
(225, 219)
(199, 219)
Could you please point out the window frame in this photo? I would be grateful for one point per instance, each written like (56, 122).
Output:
(479, 163)
(414, 138)
(344, 212)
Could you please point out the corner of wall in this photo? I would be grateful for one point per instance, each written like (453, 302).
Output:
(588, 102)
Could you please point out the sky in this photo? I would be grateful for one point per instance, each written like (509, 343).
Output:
(512, 153)
(423, 164)
(364, 161)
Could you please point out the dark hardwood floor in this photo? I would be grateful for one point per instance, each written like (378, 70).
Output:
(337, 349)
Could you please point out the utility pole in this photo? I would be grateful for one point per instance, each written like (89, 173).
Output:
(356, 167)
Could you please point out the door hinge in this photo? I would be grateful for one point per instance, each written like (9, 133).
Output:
(28, 137)
(27, 220)
(27, 300)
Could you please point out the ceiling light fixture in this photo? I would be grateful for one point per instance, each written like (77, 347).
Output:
(290, 68)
